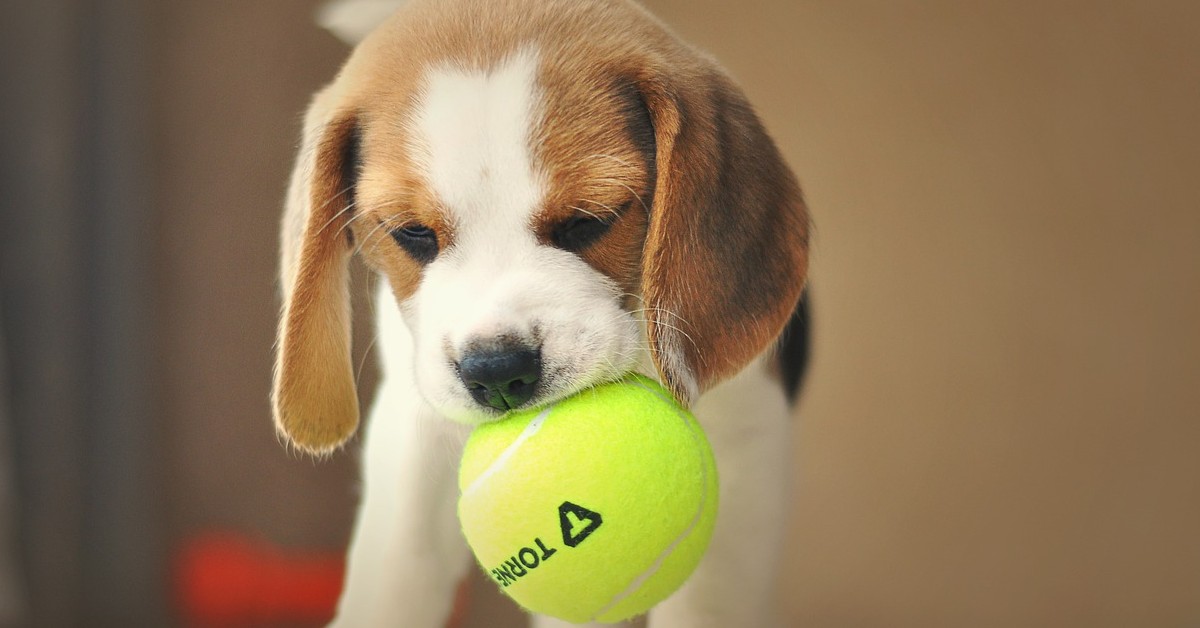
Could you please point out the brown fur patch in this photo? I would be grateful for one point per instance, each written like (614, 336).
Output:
(391, 197)
(591, 151)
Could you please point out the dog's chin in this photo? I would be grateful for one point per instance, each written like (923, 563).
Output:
(467, 412)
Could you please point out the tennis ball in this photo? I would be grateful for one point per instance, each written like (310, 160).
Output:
(594, 508)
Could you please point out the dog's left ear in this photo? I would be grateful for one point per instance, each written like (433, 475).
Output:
(314, 397)
(726, 254)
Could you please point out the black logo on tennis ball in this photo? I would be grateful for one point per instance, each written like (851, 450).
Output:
(522, 562)
(577, 524)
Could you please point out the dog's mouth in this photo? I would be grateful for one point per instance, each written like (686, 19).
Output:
(555, 385)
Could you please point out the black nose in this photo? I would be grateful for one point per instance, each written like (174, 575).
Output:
(501, 379)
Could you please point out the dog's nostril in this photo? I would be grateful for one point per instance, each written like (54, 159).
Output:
(501, 379)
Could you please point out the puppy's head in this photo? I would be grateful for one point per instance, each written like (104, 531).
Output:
(552, 190)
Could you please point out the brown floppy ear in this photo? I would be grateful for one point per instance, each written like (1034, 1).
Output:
(314, 398)
(726, 254)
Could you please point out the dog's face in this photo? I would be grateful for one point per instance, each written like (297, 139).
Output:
(552, 194)
(514, 251)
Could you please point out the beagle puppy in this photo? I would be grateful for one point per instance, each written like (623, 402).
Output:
(554, 192)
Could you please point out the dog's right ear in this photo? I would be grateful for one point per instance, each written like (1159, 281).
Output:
(314, 399)
(726, 253)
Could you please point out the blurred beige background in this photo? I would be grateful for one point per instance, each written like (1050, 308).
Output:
(1001, 424)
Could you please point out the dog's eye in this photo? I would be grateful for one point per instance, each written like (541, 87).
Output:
(417, 240)
(579, 232)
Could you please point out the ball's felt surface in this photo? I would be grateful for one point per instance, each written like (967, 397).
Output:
(595, 508)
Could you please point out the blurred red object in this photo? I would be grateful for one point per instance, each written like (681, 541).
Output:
(231, 580)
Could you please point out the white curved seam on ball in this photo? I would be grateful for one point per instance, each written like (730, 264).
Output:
(641, 578)
(510, 451)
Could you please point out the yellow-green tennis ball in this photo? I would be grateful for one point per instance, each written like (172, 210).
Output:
(594, 508)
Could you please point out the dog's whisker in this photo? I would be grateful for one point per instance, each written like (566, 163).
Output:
(659, 323)
(630, 295)
(386, 222)
(334, 197)
(584, 211)
(348, 207)
(361, 215)
(640, 200)
(362, 364)
(350, 223)
(609, 157)
(660, 310)
(610, 209)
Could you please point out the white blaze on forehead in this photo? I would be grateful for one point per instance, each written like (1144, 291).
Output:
(474, 127)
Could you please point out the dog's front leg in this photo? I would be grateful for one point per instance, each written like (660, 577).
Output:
(748, 422)
(407, 555)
